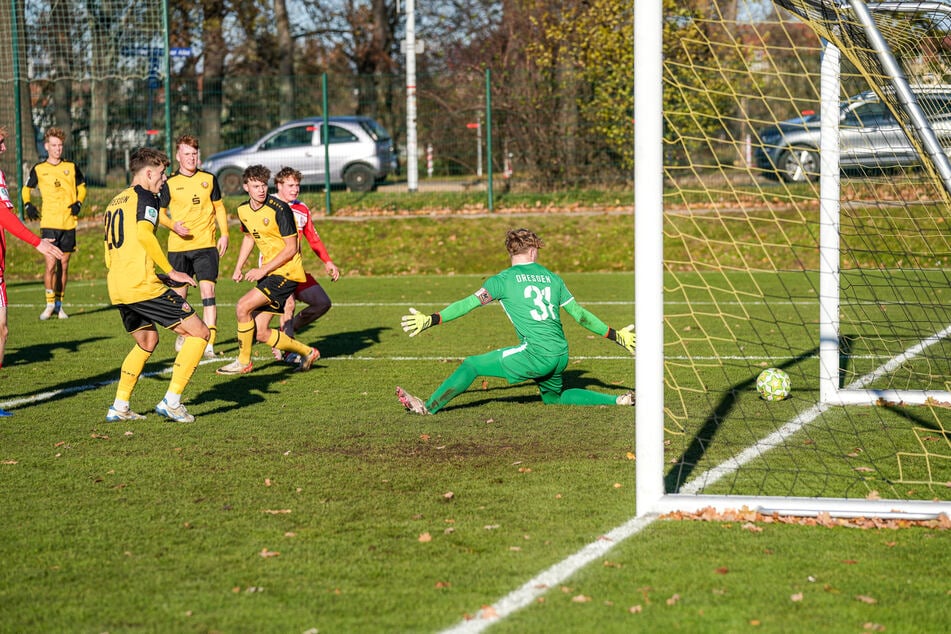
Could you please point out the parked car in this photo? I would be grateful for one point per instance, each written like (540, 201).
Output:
(869, 136)
(361, 154)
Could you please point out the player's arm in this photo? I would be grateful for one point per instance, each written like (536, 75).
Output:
(247, 245)
(13, 226)
(221, 217)
(416, 322)
(318, 247)
(145, 233)
(26, 192)
(624, 337)
(283, 256)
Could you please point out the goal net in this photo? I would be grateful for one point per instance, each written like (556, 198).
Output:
(792, 191)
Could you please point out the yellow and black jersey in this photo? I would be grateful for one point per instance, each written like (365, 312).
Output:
(269, 225)
(131, 275)
(193, 201)
(60, 186)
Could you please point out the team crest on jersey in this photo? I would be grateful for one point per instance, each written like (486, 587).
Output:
(266, 221)
(483, 295)
(204, 184)
(151, 214)
(65, 172)
(186, 307)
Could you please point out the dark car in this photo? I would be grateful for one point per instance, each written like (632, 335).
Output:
(361, 154)
(869, 137)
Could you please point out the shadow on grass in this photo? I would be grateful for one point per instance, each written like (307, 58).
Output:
(44, 352)
(345, 344)
(684, 465)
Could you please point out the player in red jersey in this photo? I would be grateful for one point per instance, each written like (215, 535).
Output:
(9, 222)
(309, 291)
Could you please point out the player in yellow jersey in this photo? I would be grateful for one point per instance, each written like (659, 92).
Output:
(143, 298)
(62, 190)
(268, 223)
(192, 208)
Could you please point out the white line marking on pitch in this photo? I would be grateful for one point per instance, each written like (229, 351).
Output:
(555, 575)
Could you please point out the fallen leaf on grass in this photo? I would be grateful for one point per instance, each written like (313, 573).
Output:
(425, 538)
(630, 455)
(9, 462)
(99, 436)
(865, 599)
(673, 600)
(269, 553)
(267, 482)
(635, 609)
(722, 570)
(488, 612)
(873, 627)
(440, 585)
(580, 599)
(796, 597)
(277, 511)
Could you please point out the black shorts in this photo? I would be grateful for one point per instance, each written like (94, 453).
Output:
(202, 264)
(65, 239)
(277, 288)
(167, 310)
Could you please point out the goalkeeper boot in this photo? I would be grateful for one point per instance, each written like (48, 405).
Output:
(60, 312)
(412, 403)
(47, 312)
(235, 367)
(115, 414)
(178, 414)
(627, 399)
(307, 362)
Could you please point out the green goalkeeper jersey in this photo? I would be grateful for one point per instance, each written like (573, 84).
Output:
(532, 297)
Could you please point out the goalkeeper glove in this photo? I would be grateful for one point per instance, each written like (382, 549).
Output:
(624, 337)
(75, 207)
(416, 322)
(31, 211)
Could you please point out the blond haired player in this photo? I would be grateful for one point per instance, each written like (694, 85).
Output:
(192, 207)
(62, 188)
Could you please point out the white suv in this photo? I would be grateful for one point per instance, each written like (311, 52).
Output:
(361, 154)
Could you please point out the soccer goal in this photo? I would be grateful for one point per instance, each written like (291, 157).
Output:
(792, 206)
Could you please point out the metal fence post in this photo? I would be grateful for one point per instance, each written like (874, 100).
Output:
(324, 138)
(488, 135)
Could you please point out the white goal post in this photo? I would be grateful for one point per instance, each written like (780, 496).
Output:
(827, 397)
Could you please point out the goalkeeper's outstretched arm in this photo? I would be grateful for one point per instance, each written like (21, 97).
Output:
(624, 337)
(416, 322)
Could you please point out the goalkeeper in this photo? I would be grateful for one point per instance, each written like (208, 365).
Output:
(532, 297)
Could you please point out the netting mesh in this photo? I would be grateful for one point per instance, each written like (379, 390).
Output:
(742, 228)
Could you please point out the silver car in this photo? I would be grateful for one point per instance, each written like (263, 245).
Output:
(361, 154)
(869, 137)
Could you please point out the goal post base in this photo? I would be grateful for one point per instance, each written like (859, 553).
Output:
(802, 506)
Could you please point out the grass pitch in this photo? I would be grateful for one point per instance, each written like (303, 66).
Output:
(313, 502)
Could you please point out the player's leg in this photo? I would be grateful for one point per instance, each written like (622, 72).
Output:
(3, 332)
(195, 332)
(146, 338)
(181, 261)
(488, 364)
(288, 345)
(62, 273)
(209, 314)
(278, 290)
(318, 303)
(205, 263)
(287, 324)
(49, 276)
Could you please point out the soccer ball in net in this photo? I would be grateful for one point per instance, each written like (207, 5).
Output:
(773, 384)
